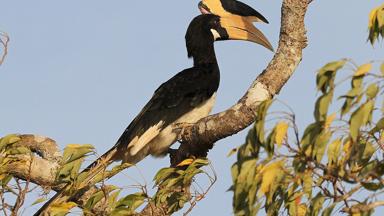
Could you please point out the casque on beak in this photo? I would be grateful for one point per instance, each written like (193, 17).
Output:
(241, 29)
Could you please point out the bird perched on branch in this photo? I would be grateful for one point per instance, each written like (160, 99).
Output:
(185, 98)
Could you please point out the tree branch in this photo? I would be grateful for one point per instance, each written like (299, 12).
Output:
(42, 168)
(39, 170)
(4, 40)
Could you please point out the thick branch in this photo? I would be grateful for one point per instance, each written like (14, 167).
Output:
(198, 138)
(42, 168)
(39, 170)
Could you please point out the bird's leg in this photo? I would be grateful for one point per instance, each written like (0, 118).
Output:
(179, 128)
(180, 159)
(187, 150)
(175, 156)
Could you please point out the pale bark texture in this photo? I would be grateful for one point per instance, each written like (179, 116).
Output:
(196, 139)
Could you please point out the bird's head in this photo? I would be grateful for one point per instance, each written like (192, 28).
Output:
(207, 28)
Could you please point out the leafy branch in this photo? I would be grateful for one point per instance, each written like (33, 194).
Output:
(336, 157)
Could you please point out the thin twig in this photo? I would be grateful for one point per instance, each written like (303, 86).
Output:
(4, 40)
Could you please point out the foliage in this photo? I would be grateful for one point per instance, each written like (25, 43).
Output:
(14, 189)
(338, 156)
(173, 184)
(376, 24)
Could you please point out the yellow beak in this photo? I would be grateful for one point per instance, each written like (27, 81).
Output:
(242, 29)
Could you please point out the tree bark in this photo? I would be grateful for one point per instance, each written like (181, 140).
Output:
(198, 138)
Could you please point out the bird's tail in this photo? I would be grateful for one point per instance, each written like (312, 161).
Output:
(87, 175)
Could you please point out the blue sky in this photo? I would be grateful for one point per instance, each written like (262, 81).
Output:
(79, 71)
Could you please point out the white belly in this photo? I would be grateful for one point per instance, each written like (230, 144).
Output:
(167, 137)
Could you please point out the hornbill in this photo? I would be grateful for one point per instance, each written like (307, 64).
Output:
(185, 98)
(237, 11)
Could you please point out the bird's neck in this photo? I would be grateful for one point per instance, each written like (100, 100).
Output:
(203, 55)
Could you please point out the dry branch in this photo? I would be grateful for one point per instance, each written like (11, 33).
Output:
(4, 40)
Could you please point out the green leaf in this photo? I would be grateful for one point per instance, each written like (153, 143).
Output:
(320, 145)
(363, 70)
(162, 174)
(190, 175)
(112, 199)
(322, 105)
(199, 162)
(307, 183)
(39, 200)
(379, 126)
(372, 91)
(310, 134)
(316, 204)
(269, 143)
(328, 210)
(326, 75)
(382, 69)
(376, 24)
(372, 186)
(232, 152)
(357, 81)
(235, 172)
(132, 201)
(346, 106)
(260, 119)
(380, 16)
(6, 180)
(61, 209)
(74, 152)
(94, 199)
(369, 150)
(271, 176)
(246, 171)
(68, 172)
(369, 168)
(281, 132)
(334, 151)
(353, 93)
(8, 140)
(359, 118)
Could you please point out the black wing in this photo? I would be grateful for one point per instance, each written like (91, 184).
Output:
(239, 8)
(174, 98)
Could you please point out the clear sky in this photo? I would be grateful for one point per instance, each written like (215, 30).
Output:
(79, 71)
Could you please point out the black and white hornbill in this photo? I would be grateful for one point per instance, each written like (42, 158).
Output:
(185, 98)
(238, 12)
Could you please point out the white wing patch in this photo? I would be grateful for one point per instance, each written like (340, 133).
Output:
(138, 143)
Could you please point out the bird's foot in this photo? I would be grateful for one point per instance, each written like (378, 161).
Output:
(180, 127)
